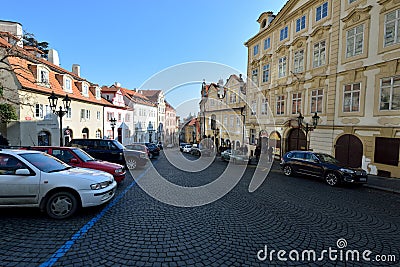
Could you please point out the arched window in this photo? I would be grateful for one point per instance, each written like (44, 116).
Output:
(44, 138)
(85, 133)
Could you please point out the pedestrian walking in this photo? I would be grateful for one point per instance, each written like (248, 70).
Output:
(270, 153)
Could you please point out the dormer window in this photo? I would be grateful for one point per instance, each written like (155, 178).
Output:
(98, 93)
(85, 89)
(44, 76)
(68, 85)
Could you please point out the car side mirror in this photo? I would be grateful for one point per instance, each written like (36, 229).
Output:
(22, 172)
(74, 161)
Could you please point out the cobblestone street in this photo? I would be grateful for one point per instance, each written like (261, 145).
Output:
(285, 213)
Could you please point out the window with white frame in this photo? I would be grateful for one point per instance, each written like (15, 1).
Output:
(283, 33)
(254, 76)
(355, 41)
(231, 120)
(119, 116)
(238, 121)
(232, 97)
(301, 23)
(351, 97)
(88, 114)
(319, 54)
(225, 121)
(265, 75)
(296, 103)
(392, 28)
(98, 134)
(321, 11)
(298, 61)
(98, 115)
(264, 106)
(317, 97)
(110, 115)
(68, 85)
(39, 111)
(83, 114)
(69, 113)
(47, 112)
(255, 50)
(127, 117)
(267, 43)
(85, 89)
(98, 93)
(282, 67)
(44, 76)
(253, 107)
(390, 93)
(280, 105)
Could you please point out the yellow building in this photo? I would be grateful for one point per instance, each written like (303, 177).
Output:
(338, 59)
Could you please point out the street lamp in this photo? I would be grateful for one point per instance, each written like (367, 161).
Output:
(306, 127)
(113, 122)
(61, 112)
(150, 129)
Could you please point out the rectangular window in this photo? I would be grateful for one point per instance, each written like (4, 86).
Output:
(237, 121)
(98, 115)
(47, 112)
(267, 43)
(282, 67)
(39, 111)
(321, 11)
(253, 107)
(119, 116)
(298, 61)
(88, 114)
(98, 134)
(68, 86)
(69, 113)
(280, 105)
(265, 77)
(387, 151)
(254, 76)
(319, 54)
(355, 41)
(316, 100)
(283, 33)
(296, 103)
(44, 76)
(264, 106)
(98, 93)
(352, 1)
(225, 121)
(351, 97)
(127, 117)
(255, 50)
(392, 29)
(82, 114)
(252, 136)
(232, 120)
(390, 93)
(85, 90)
(110, 115)
(301, 23)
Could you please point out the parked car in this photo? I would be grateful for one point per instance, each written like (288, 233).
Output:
(154, 150)
(37, 179)
(322, 166)
(236, 156)
(186, 148)
(139, 147)
(160, 145)
(182, 145)
(78, 158)
(111, 150)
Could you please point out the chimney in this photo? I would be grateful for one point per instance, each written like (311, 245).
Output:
(53, 57)
(117, 84)
(15, 28)
(76, 69)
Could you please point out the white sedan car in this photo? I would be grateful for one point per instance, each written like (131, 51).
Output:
(187, 148)
(36, 179)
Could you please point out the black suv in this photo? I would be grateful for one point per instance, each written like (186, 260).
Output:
(323, 166)
(111, 150)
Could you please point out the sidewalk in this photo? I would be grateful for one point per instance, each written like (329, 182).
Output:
(391, 185)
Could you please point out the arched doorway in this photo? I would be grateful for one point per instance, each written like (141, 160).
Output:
(296, 140)
(349, 150)
(85, 133)
(275, 142)
(44, 138)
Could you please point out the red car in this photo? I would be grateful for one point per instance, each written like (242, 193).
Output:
(78, 158)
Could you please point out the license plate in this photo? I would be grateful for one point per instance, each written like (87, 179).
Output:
(363, 179)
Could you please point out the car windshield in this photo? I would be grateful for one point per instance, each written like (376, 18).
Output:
(325, 158)
(45, 162)
(136, 147)
(118, 144)
(85, 157)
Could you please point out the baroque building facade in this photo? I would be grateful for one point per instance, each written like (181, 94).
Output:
(338, 59)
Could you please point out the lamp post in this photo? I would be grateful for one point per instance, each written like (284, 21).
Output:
(61, 112)
(307, 127)
(113, 122)
(150, 129)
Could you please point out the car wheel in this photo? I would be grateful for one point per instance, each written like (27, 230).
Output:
(61, 205)
(287, 170)
(131, 163)
(332, 179)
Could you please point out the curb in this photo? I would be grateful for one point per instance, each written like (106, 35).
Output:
(394, 191)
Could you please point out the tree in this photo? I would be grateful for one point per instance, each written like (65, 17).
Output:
(29, 39)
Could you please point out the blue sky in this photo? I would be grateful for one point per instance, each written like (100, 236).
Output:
(130, 41)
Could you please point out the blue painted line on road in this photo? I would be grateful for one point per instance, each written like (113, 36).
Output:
(66, 247)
